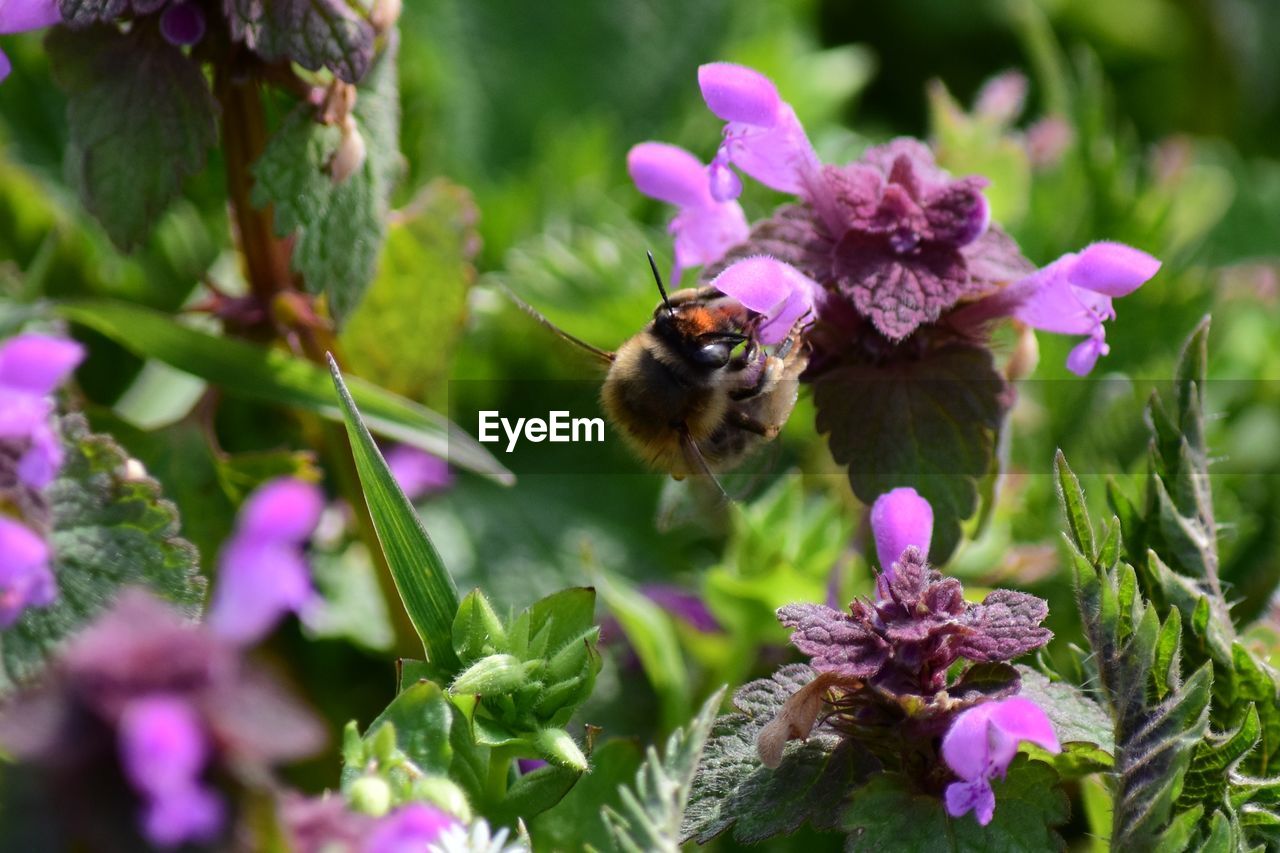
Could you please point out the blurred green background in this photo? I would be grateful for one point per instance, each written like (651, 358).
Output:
(1153, 122)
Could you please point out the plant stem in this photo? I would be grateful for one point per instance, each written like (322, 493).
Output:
(267, 269)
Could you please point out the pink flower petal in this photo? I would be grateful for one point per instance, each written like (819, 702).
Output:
(976, 797)
(282, 510)
(772, 288)
(669, 173)
(704, 234)
(1085, 355)
(739, 94)
(900, 519)
(1113, 269)
(779, 156)
(18, 16)
(25, 577)
(36, 363)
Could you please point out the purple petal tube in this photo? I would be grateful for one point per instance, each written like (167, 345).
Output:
(37, 364)
(18, 16)
(762, 136)
(262, 573)
(25, 578)
(409, 828)
(900, 519)
(982, 742)
(704, 228)
(163, 752)
(777, 291)
(1072, 295)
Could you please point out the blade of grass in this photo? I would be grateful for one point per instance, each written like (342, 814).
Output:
(424, 584)
(274, 376)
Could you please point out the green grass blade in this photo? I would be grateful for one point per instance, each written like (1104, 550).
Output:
(424, 584)
(274, 376)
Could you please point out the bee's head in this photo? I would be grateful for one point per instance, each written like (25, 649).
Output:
(705, 335)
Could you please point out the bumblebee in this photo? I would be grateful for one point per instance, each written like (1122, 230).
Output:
(694, 392)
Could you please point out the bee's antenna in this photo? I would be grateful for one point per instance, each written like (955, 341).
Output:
(657, 276)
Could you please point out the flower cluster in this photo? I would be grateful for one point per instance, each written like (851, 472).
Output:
(884, 666)
(32, 366)
(894, 241)
(144, 697)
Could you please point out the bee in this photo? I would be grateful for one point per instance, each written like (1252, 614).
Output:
(695, 392)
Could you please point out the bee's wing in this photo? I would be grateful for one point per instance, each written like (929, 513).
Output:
(602, 355)
(698, 463)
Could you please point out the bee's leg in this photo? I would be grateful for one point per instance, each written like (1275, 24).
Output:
(788, 343)
(742, 420)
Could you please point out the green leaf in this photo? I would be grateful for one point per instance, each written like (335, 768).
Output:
(477, 630)
(887, 814)
(110, 528)
(1073, 504)
(273, 376)
(1084, 730)
(578, 820)
(141, 119)
(534, 793)
(422, 721)
(333, 34)
(353, 607)
(405, 330)
(338, 227)
(424, 584)
(929, 423)
(734, 790)
(559, 748)
(650, 817)
(653, 636)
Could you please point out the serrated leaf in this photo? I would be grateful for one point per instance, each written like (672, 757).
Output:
(404, 331)
(83, 12)
(141, 120)
(1082, 726)
(111, 528)
(338, 227)
(733, 789)
(424, 584)
(929, 423)
(650, 816)
(274, 376)
(887, 814)
(315, 34)
(1073, 504)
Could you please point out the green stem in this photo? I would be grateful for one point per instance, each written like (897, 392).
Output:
(499, 773)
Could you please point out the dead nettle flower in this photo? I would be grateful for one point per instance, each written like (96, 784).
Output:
(895, 241)
(979, 746)
(20, 16)
(418, 472)
(139, 717)
(25, 577)
(262, 571)
(885, 663)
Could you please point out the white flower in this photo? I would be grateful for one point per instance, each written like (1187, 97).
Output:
(476, 838)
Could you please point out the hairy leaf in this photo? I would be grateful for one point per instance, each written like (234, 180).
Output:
(111, 529)
(141, 119)
(733, 789)
(929, 423)
(316, 34)
(651, 813)
(578, 819)
(411, 318)
(887, 814)
(1082, 726)
(339, 227)
(83, 12)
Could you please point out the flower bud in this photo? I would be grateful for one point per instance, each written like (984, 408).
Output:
(350, 155)
(370, 795)
(899, 520)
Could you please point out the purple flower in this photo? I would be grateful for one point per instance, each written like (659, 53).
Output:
(899, 223)
(419, 473)
(32, 366)
(163, 751)
(408, 829)
(900, 519)
(182, 23)
(18, 16)
(1001, 99)
(528, 765)
(981, 743)
(763, 137)
(682, 604)
(704, 228)
(778, 292)
(25, 578)
(1072, 296)
(262, 573)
